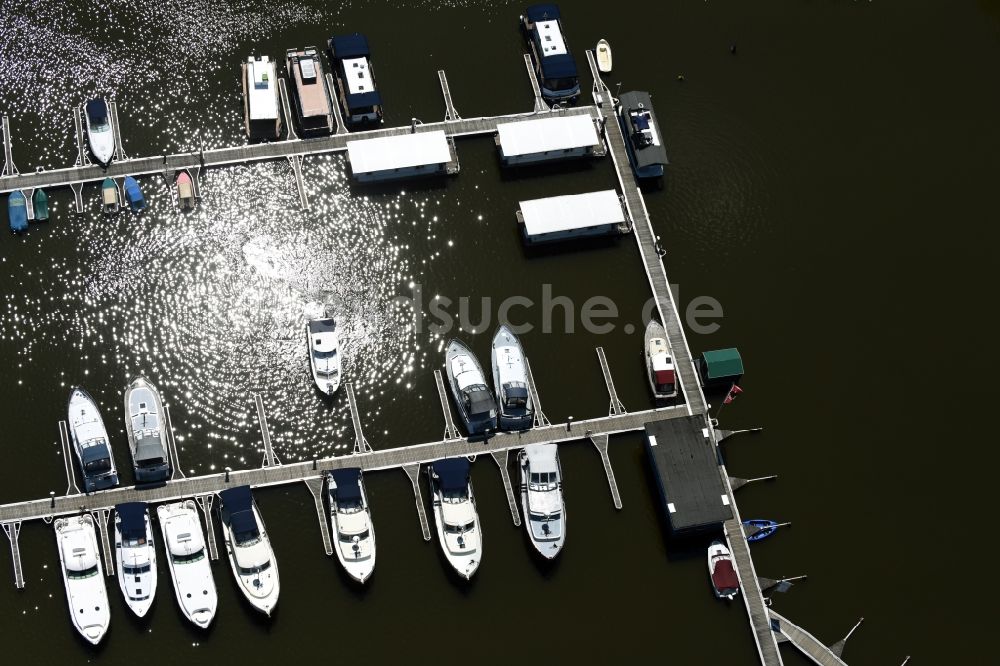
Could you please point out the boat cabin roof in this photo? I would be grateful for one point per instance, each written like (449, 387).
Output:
(723, 363)
(542, 457)
(133, 519)
(349, 46)
(638, 107)
(186, 538)
(348, 482)
(309, 83)
(453, 473)
(149, 447)
(78, 549)
(573, 211)
(260, 86)
(542, 135)
(97, 111)
(403, 151)
(662, 362)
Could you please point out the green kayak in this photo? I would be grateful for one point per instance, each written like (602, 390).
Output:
(41, 205)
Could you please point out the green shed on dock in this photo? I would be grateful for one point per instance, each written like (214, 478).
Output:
(722, 367)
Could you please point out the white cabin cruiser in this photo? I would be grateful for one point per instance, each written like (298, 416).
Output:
(250, 553)
(100, 133)
(659, 362)
(80, 562)
(90, 440)
(353, 530)
(510, 381)
(725, 582)
(455, 515)
(135, 556)
(473, 398)
(147, 434)
(542, 498)
(324, 354)
(187, 560)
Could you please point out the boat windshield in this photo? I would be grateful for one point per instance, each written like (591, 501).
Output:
(566, 83)
(247, 539)
(542, 517)
(460, 529)
(349, 506)
(250, 571)
(189, 558)
(542, 481)
(134, 543)
(151, 462)
(348, 538)
(98, 466)
(100, 126)
(454, 496)
(325, 354)
(86, 573)
(126, 569)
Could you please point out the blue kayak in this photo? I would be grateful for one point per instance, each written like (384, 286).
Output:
(134, 195)
(760, 529)
(17, 211)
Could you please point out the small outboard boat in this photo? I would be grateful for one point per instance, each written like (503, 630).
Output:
(17, 212)
(109, 197)
(185, 191)
(759, 529)
(603, 52)
(725, 582)
(40, 202)
(134, 195)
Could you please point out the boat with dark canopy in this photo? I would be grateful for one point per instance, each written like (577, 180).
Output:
(146, 431)
(353, 531)
(135, 555)
(643, 138)
(554, 64)
(357, 93)
(41, 205)
(249, 549)
(133, 194)
(100, 133)
(455, 515)
(472, 396)
(90, 439)
(725, 582)
(17, 212)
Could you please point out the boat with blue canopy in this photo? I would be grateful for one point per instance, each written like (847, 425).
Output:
(135, 555)
(455, 515)
(17, 212)
(356, 90)
(133, 194)
(554, 64)
(353, 531)
(250, 554)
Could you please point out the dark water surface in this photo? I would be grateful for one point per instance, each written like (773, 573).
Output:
(833, 185)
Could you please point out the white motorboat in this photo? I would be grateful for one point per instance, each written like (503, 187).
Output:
(353, 530)
(324, 354)
(603, 52)
(455, 515)
(100, 133)
(542, 498)
(147, 432)
(135, 556)
(510, 381)
(467, 381)
(83, 577)
(187, 561)
(249, 549)
(725, 582)
(659, 362)
(90, 440)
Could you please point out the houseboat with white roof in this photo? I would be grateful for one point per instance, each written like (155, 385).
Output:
(572, 216)
(260, 99)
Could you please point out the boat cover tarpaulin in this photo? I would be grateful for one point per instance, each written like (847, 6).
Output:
(17, 211)
(237, 510)
(558, 66)
(544, 12)
(348, 486)
(453, 473)
(530, 137)
(149, 448)
(133, 519)
(349, 46)
(97, 111)
(364, 100)
(664, 377)
(723, 363)
(402, 151)
(572, 211)
(481, 401)
(724, 576)
(132, 191)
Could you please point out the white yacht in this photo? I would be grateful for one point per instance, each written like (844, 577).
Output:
(90, 440)
(100, 134)
(455, 515)
(475, 402)
(249, 549)
(324, 354)
(510, 382)
(353, 531)
(659, 362)
(135, 556)
(542, 498)
(80, 562)
(189, 567)
(147, 433)
(725, 582)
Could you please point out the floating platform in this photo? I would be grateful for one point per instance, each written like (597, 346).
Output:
(572, 216)
(400, 156)
(556, 137)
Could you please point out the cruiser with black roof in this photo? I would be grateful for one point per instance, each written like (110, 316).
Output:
(352, 65)
(90, 439)
(249, 549)
(472, 396)
(554, 64)
(643, 138)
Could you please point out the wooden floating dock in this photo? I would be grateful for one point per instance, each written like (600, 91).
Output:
(175, 461)
(616, 406)
(450, 112)
(501, 459)
(205, 502)
(8, 152)
(67, 454)
(13, 531)
(540, 418)
(601, 442)
(286, 107)
(540, 104)
(315, 486)
(450, 430)
(413, 474)
(270, 460)
(100, 516)
(331, 91)
(808, 644)
(361, 444)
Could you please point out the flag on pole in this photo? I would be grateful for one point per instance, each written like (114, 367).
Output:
(733, 392)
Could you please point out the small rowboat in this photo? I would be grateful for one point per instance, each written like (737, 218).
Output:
(725, 582)
(134, 195)
(109, 197)
(17, 211)
(758, 530)
(604, 56)
(185, 191)
(41, 205)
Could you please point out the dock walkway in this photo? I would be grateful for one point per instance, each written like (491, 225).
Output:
(807, 644)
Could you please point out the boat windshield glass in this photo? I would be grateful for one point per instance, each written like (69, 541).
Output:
(250, 571)
(86, 573)
(460, 529)
(542, 481)
(189, 558)
(97, 466)
(246, 539)
(126, 569)
(325, 354)
(540, 517)
(151, 462)
(349, 506)
(134, 543)
(566, 83)
(454, 496)
(348, 538)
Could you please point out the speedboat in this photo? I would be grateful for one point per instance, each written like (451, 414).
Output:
(17, 211)
(324, 354)
(40, 201)
(759, 529)
(659, 362)
(100, 134)
(473, 398)
(147, 436)
(720, 568)
(109, 197)
(455, 515)
(189, 567)
(510, 381)
(135, 555)
(133, 194)
(353, 531)
(249, 549)
(185, 191)
(83, 576)
(542, 499)
(90, 440)
(603, 52)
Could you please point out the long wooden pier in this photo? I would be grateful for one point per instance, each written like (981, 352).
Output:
(807, 644)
